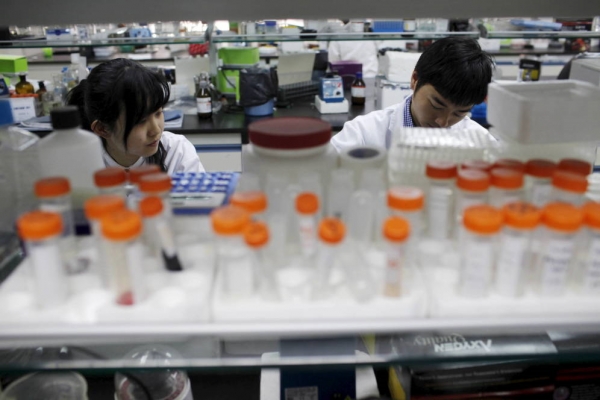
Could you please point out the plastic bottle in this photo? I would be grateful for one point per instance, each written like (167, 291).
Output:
(254, 201)
(24, 87)
(396, 230)
(408, 202)
(235, 267)
(520, 221)
(159, 232)
(41, 232)
(481, 227)
(124, 255)
(256, 236)
(358, 90)
(158, 184)
(203, 100)
(575, 166)
(311, 182)
(538, 181)
(133, 189)
(372, 180)
(111, 180)
(477, 164)
(568, 187)
(510, 163)
(157, 375)
(54, 195)
(341, 188)
(331, 234)
(472, 190)
(506, 186)
(440, 198)
(71, 152)
(590, 274)
(95, 209)
(558, 238)
(19, 168)
(307, 207)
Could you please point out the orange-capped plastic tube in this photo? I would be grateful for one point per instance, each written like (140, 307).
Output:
(332, 230)
(482, 219)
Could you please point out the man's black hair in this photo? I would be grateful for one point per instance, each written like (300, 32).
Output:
(457, 68)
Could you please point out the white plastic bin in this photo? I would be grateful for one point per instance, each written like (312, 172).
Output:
(545, 112)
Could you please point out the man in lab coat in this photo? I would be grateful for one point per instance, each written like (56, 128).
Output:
(450, 77)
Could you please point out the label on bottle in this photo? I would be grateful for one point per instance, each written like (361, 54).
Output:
(476, 263)
(204, 105)
(540, 194)
(438, 210)
(308, 235)
(511, 261)
(394, 271)
(554, 266)
(591, 280)
(358, 91)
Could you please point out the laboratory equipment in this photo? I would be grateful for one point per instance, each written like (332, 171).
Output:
(362, 157)
(198, 193)
(331, 234)
(506, 186)
(307, 207)
(481, 227)
(158, 184)
(124, 253)
(477, 164)
(41, 232)
(133, 190)
(358, 90)
(396, 230)
(340, 190)
(71, 152)
(408, 202)
(47, 386)
(95, 209)
(590, 280)
(159, 232)
(568, 187)
(111, 180)
(256, 236)
(235, 267)
(575, 166)
(373, 181)
(472, 189)
(561, 223)
(514, 253)
(231, 61)
(440, 197)
(159, 381)
(538, 181)
(254, 201)
(510, 163)
(291, 146)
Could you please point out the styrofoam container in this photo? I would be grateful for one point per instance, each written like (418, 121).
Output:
(546, 111)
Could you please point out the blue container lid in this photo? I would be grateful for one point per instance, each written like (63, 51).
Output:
(270, 23)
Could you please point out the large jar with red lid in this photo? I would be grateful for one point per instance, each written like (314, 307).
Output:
(289, 147)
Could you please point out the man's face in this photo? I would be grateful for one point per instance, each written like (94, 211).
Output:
(430, 110)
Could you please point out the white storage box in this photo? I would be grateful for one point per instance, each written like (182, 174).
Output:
(587, 70)
(545, 112)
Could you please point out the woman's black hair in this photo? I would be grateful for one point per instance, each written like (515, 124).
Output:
(121, 85)
(457, 68)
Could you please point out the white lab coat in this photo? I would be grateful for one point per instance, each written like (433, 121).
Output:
(181, 155)
(375, 128)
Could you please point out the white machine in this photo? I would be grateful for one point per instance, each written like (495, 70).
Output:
(393, 80)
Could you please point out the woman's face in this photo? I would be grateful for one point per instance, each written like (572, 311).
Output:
(144, 137)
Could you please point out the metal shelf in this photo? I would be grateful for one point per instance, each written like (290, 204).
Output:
(542, 35)
(340, 36)
(33, 43)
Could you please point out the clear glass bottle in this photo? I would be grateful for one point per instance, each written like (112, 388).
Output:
(41, 232)
(24, 87)
(358, 90)
(41, 91)
(481, 227)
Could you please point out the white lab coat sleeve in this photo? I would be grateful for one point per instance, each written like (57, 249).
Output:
(181, 154)
(369, 130)
(334, 52)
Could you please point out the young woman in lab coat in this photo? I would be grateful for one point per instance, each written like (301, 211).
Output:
(122, 102)
(450, 77)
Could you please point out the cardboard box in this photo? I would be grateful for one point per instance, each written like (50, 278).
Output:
(451, 378)
(10, 64)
